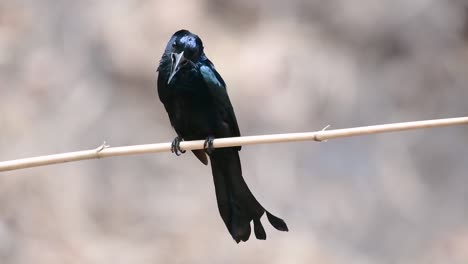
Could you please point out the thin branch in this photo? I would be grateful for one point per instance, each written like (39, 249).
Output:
(104, 150)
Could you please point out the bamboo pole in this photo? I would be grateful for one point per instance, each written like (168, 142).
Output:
(104, 150)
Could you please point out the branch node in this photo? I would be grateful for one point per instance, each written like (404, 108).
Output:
(101, 148)
(323, 129)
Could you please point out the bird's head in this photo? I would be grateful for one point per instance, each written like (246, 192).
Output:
(185, 49)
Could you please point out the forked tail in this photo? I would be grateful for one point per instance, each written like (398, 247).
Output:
(236, 204)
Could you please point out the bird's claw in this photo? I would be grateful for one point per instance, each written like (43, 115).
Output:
(208, 145)
(175, 146)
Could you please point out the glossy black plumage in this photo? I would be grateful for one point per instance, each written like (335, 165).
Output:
(196, 100)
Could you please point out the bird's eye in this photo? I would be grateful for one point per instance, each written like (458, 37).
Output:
(174, 45)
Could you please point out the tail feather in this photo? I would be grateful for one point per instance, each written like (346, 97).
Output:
(236, 204)
(277, 222)
(259, 230)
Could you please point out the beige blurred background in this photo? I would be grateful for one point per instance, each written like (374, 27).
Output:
(76, 73)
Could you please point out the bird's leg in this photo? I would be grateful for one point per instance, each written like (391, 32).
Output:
(208, 145)
(175, 146)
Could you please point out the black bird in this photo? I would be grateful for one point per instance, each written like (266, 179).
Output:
(196, 100)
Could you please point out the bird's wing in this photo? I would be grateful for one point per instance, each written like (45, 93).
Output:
(217, 88)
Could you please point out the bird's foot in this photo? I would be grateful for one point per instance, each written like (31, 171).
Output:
(208, 145)
(175, 146)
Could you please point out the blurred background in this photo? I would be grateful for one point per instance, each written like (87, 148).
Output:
(76, 73)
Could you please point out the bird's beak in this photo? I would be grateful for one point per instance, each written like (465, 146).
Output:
(177, 60)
